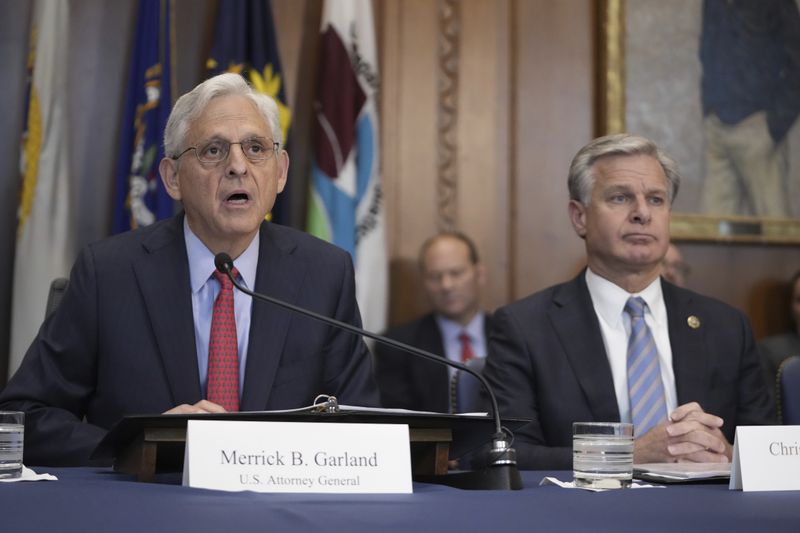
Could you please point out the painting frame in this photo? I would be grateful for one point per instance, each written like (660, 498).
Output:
(611, 97)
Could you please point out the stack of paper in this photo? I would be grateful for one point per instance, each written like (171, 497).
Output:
(675, 472)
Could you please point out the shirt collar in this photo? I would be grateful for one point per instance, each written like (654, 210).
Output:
(609, 299)
(452, 329)
(201, 260)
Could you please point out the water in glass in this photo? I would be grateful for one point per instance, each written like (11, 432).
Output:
(602, 461)
(11, 440)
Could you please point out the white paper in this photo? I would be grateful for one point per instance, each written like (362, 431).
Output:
(30, 475)
(682, 471)
(376, 410)
(571, 485)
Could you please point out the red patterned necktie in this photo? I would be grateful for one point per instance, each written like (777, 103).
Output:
(466, 347)
(223, 351)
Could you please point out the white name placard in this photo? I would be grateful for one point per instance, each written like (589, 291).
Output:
(297, 457)
(766, 458)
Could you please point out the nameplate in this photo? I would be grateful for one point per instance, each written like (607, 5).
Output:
(766, 458)
(297, 457)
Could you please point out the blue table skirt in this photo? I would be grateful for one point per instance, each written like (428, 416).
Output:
(87, 500)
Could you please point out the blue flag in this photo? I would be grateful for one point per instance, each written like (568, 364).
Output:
(244, 43)
(140, 196)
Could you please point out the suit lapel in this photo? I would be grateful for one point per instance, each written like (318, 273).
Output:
(687, 344)
(163, 278)
(278, 275)
(430, 336)
(575, 322)
(430, 340)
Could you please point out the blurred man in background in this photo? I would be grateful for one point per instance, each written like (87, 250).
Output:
(673, 268)
(456, 328)
(775, 349)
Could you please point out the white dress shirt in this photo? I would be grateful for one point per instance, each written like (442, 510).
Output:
(609, 301)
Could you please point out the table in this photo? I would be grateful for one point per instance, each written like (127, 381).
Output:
(88, 500)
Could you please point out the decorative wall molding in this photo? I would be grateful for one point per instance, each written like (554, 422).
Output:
(447, 113)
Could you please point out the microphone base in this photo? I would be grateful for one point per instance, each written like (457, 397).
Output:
(500, 477)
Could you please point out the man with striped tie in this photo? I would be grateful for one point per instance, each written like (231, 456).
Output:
(619, 343)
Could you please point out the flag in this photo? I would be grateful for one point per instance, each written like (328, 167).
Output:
(44, 248)
(141, 198)
(245, 43)
(346, 205)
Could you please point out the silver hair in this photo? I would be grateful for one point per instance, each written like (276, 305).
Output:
(581, 176)
(192, 104)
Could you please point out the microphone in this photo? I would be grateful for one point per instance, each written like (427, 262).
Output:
(501, 453)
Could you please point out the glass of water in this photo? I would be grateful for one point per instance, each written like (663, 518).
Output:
(12, 431)
(602, 454)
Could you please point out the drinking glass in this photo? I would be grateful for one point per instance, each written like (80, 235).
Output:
(12, 431)
(602, 454)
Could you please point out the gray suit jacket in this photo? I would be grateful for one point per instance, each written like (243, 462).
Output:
(547, 362)
(122, 341)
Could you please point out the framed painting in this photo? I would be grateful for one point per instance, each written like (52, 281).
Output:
(658, 77)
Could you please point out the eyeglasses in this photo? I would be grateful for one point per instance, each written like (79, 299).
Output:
(217, 150)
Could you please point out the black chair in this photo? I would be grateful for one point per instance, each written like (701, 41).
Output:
(57, 288)
(789, 391)
(465, 389)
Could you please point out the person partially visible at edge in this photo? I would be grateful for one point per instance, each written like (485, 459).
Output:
(133, 333)
(456, 327)
(776, 349)
(673, 268)
(562, 355)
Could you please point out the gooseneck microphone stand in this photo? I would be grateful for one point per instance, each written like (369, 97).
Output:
(501, 472)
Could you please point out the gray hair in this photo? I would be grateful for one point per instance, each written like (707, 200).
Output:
(581, 176)
(192, 104)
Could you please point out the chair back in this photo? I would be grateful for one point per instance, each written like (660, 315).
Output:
(789, 391)
(465, 389)
(57, 288)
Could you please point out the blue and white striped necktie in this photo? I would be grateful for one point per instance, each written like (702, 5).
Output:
(645, 389)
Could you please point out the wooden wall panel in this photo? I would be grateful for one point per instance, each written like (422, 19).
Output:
(484, 150)
(553, 92)
(408, 130)
(288, 18)
(411, 101)
(752, 278)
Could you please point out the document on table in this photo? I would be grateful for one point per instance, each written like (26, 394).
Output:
(681, 472)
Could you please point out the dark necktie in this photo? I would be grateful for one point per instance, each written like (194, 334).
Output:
(645, 389)
(223, 351)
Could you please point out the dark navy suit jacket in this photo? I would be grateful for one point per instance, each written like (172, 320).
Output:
(547, 362)
(122, 340)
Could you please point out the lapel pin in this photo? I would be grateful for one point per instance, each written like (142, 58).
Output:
(693, 322)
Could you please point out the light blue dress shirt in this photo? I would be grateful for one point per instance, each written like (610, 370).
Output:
(205, 289)
(450, 331)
